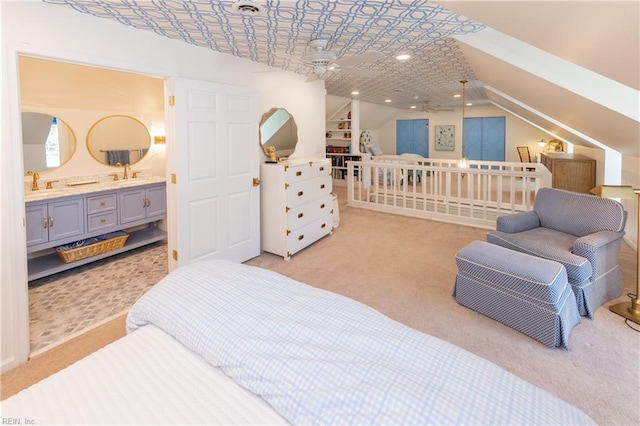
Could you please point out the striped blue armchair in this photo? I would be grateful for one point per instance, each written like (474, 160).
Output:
(581, 231)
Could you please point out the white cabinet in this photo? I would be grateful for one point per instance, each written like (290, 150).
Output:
(296, 205)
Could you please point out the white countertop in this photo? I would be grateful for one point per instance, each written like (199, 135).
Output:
(65, 191)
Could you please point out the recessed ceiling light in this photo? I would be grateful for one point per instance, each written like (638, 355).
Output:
(387, 100)
(403, 57)
(413, 107)
(355, 92)
(469, 103)
(456, 96)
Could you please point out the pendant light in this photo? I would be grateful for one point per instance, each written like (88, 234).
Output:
(462, 162)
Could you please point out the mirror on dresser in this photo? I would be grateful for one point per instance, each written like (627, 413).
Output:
(118, 140)
(47, 142)
(278, 128)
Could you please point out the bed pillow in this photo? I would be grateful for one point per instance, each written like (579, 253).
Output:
(375, 150)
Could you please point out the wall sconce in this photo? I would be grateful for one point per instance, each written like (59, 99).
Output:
(541, 143)
(159, 140)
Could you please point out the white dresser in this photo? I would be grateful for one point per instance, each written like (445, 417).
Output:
(296, 204)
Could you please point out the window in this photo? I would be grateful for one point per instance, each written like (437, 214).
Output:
(52, 145)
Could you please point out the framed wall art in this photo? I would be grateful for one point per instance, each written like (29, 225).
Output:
(445, 137)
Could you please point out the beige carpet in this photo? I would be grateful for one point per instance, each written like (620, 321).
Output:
(405, 268)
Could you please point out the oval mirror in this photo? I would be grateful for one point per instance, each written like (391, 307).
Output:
(47, 142)
(279, 129)
(117, 140)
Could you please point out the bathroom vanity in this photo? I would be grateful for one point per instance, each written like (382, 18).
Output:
(61, 216)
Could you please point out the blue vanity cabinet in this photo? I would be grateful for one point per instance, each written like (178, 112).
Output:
(54, 222)
(71, 218)
(141, 204)
(102, 213)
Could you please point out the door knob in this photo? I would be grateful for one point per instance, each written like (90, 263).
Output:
(256, 181)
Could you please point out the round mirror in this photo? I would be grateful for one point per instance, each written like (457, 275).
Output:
(117, 140)
(47, 142)
(278, 128)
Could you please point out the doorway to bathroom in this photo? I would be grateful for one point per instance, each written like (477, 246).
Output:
(71, 302)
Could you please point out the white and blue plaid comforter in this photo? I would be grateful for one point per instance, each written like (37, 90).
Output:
(320, 358)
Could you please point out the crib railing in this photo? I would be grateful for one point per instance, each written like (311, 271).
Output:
(438, 189)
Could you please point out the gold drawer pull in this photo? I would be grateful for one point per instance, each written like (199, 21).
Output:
(298, 173)
(301, 237)
(322, 169)
(322, 186)
(324, 225)
(322, 206)
(300, 215)
(103, 220)
(103, 204)
(300, 193)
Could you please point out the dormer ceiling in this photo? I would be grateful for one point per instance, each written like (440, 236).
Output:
(563, 66)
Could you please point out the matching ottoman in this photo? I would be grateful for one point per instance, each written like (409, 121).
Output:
(527, 293)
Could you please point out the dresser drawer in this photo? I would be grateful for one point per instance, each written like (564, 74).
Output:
(303, 192)
(300, 172)
(101, 203)
(302, 237)
(102, 221)
(307, 213)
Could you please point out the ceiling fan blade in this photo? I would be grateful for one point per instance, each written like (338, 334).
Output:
(358, 72)
(266, 71)
(435, 110)
(348, 61)
(311, 77)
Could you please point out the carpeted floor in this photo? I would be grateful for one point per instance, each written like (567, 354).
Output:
(405, 268)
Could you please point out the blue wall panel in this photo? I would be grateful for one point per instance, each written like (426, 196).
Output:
(412, 136)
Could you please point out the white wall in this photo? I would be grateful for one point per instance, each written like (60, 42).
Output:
(518, 132)
(55, 32)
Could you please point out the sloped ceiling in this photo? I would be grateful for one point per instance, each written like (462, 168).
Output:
(602, 36)
(571, 68)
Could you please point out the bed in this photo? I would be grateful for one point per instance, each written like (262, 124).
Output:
(217, 342)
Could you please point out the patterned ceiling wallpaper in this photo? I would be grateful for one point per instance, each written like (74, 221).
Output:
(279, 33)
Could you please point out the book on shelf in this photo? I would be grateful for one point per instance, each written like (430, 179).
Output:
(338, 149)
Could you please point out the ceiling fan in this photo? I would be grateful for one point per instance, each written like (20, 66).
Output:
(323, 61)
(427, 108)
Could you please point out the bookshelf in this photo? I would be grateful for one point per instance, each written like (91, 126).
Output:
(339, 165)
(343, 140)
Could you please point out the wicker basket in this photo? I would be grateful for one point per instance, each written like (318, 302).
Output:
(95, 249)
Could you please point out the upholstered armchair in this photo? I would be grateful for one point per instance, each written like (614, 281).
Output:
(580, 231)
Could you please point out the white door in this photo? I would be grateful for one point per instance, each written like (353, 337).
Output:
(212, 160)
